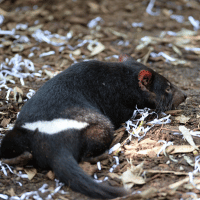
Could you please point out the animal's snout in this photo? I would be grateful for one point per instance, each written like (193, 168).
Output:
(178, 97)
(185, 95)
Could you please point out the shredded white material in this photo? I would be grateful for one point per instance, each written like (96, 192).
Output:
(30, 93)
(33, 194)
(46, 36)
(1, 19)
(20, 174)
(61, 48)
(4, 196)
(59, 185)
(14, 67)
(3, 168)
(197, 164)
(168, 58)
(137, 24)
(5, 32)
(123, 43)
(99, 165)
(193, 196)
(114, 148)
(115, 165)
(113, 56)
(21, 26)
(8, 93)
(178, 18)
(47, 54)
(195, 23)
(80, 44)
(95, 176)
(94, 22)
(191, 178)
(31, 54)
(192, 49)
(116, 160)
(21, 39)
(71, 56)
(163, 148)
(196, 170)
(172, 33)
(134, 129)
(150, 7)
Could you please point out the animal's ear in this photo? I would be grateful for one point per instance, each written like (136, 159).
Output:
(124, 57)
(144, 78)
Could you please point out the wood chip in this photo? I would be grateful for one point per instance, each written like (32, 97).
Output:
(5, 122)
(31, 173)
(50, 175)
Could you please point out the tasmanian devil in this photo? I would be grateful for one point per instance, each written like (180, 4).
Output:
(73, 116)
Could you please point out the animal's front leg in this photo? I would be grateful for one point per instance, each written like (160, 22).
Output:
(20, 160)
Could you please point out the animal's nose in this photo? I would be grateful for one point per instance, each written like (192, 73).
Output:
(185, 95)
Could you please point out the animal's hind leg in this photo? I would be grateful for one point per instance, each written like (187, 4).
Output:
(97, 139)
(97, 136)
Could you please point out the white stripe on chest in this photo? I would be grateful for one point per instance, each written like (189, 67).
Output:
(55, 126)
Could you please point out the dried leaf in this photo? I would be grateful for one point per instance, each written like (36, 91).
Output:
(173, 112)
(50, 175)
(17, 48)
(31, 173)
(190, 186)
(113, 175)
(58, 40)
(187, 135)
(94, 7)
(118, 33)
(88, 168)
(186, 32)
(5, 122)
(148, 193)
(49, 73)
(180, 149)
(182, 119)
(77, 20)
(3, 12)
(7, 43)
(176, 49)
(151, 171)
(179, 183)
(63, 198)
(189, 160)
(34, 28)
(150, 148)
(18, 91)
(11, 192)
(132, 176)
(77, 52)
(97, 49)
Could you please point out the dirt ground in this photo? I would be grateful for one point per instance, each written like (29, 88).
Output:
(128, 26)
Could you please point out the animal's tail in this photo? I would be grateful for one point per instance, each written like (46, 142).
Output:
(68, 171)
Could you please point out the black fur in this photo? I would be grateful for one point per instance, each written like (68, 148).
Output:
(102, 94)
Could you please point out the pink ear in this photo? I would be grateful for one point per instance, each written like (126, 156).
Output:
(123, 57)
(144, 78)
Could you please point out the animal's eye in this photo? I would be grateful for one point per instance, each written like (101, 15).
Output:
(168, 89)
